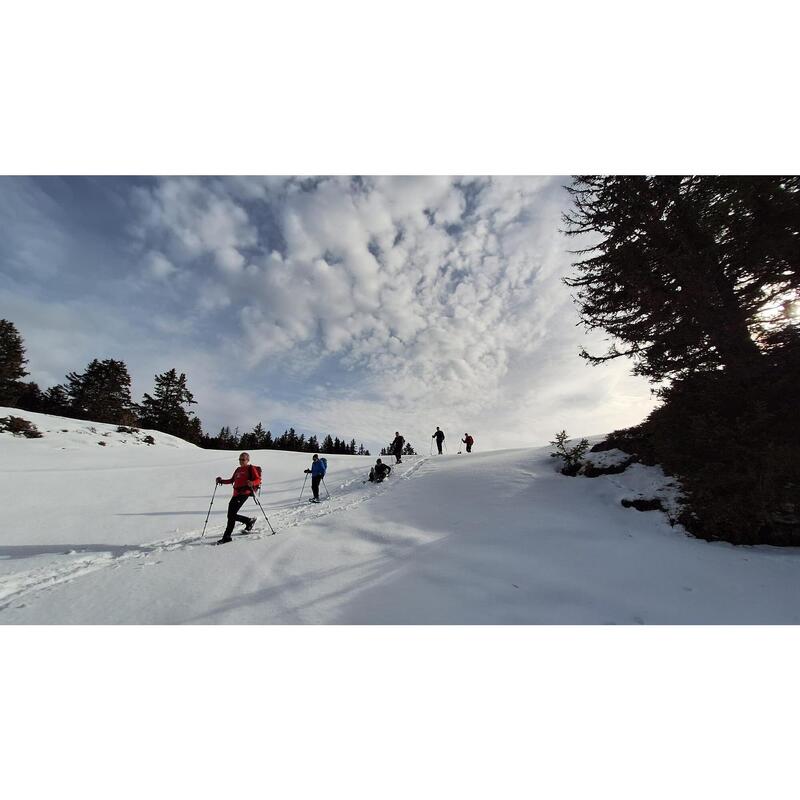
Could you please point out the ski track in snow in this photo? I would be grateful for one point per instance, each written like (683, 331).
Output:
(18, 585)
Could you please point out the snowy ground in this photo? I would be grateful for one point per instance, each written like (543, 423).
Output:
(111, 534)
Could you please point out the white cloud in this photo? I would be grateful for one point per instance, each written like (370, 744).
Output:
(435, 292)
(195, 219)
(158, 266)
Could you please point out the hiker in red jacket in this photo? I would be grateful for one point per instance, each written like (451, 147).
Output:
(468, 441)
(245, 480)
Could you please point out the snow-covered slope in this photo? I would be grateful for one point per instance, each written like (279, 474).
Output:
(111, 534)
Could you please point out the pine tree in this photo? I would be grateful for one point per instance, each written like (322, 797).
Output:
(12, 361)
(313, 445)
(572, 456)
(56, 401)
(248, 441)
(226, 440)
(352, 448)
(258, 436)
(195, 432)
(327, 444)
(208, 442)
(685, 266)
(31, 397)
(165, 411)
(102, 393)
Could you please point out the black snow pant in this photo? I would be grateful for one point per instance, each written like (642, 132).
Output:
(315, 481)
(397, 454)
(469, 448)
(237, 501)
(439, 445)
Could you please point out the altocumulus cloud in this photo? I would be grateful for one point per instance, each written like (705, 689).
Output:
(404, 295)
(384, 302)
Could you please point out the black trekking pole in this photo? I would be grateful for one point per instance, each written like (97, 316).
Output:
(264, 513)
(431, 453)
(326, 488)
(304, 487)
(209, 511)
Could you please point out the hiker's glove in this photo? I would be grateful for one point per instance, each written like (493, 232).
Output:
(219, 481)
(307, 471)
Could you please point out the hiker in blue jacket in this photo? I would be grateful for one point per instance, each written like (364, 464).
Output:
(318, 468)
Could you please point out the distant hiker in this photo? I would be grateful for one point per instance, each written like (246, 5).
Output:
(379, 472)
(319, 466)
(468, 441)
(397, 447)
(439, 436)
(245, 479)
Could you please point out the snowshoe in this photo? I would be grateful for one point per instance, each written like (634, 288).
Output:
(250, 522)
(225, 540)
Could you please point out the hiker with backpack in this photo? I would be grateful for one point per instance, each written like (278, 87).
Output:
(319, 466)
(379, 472)
(397, 447)
(439, 436)
(468, 441)
(246, 479)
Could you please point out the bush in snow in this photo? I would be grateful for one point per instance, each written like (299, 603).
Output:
(19, 427)
(149, 440)
(573, 456)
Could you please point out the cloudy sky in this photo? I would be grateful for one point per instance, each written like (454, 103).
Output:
(356, 306)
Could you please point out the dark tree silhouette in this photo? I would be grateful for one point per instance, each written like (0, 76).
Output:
(30, 398)
(697, 279)
(164, 411)
(12, 363)
(681, 270)
(102, 393)
(56, 401)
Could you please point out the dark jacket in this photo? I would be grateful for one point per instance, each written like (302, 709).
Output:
(381, 470)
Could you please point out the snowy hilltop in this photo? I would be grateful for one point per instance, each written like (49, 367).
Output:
(101, 526)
